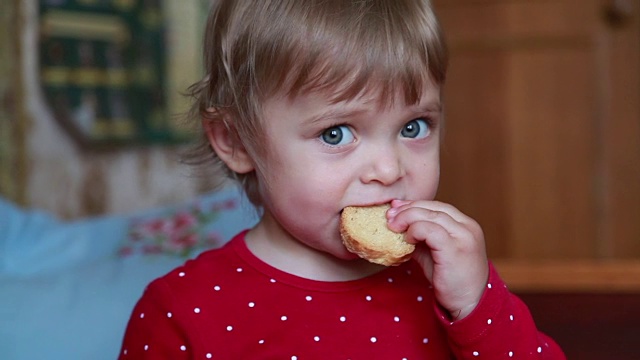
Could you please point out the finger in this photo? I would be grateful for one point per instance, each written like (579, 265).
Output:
(434, 236)
(466, 225)
(409, 216)
(401, 205)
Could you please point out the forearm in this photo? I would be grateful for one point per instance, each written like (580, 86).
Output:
(501, 327)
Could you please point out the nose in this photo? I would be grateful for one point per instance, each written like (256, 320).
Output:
(384, 166)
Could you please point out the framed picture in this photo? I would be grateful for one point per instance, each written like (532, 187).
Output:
(113, 71)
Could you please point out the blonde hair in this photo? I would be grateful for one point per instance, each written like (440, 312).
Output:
(255, 49)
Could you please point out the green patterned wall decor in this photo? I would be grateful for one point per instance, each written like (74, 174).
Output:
(103, 71)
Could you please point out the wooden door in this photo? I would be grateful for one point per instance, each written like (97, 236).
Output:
(542, 138)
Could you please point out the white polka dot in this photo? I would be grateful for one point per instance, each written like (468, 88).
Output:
(239, 269)
(539, 349)
(272, 280)
(146, 347)
(229, 328)
(343, 319)
(489, 321)
(196, 310)
(283, 318)
(489, 285)
(408, 272)
(373, 339)
(475, 353)
(309, 298)
(425, 341)
(169, 314)
(216, 288)
(183, 348)
(510, 353)
(294, 357)
(390, 280)
(316, 338)
(181, 274)
(261, 342)
(142, 316)
(368, 298)
(252, 304)
(209, 356)
(125, 351)
(511, 317)
(420, 298)
(396, 319)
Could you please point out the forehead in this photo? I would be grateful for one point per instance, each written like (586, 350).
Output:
(319, 105)
(378, 95)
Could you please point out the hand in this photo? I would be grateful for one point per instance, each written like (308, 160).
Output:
(450, 249)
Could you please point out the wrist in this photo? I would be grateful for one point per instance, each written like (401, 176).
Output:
(464, 312)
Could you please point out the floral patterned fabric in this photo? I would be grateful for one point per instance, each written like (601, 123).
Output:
(183, 232)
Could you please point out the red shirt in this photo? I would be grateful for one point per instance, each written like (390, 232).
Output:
(228, 304)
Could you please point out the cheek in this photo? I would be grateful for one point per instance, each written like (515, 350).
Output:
(434, 185)
(428, 176)
(291, 179)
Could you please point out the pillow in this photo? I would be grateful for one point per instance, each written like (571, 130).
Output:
(68, 288)
(74, 313)
(184, 231)
(33, 242)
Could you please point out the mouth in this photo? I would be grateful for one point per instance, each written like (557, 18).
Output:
(370, 204)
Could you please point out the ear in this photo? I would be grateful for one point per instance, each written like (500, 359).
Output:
(225, 142)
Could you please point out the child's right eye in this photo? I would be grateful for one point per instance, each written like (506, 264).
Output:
(337, 135)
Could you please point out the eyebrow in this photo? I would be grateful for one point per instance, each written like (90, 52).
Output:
(432, 106)
(337, 113)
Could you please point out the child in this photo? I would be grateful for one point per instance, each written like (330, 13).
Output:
(314, 105)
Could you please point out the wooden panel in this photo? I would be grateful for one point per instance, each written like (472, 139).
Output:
(483, 21)
(571, 276)
(552, 147)
(621, 136)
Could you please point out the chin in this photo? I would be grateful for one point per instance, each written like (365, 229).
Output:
(347, 255)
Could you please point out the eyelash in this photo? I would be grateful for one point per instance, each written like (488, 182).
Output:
(337, 125)
(430, 121)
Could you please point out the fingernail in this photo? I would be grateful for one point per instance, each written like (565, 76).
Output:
(397, 203)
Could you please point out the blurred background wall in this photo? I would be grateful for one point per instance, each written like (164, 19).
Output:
(542, 105)
(43, 166)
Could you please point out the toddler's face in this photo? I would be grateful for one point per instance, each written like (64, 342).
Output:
(321, 157)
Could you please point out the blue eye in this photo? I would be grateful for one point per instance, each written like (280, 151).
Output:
(337, 135)
(416, 129)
